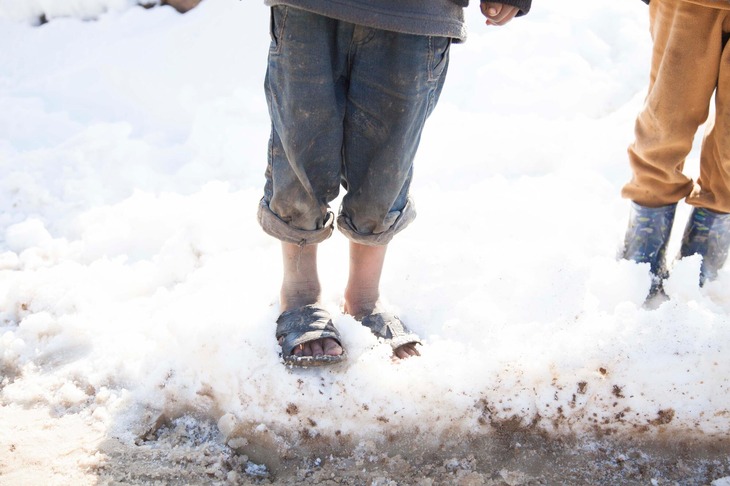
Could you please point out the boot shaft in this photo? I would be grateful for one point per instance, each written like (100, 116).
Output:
(647, 237)
(707, 234)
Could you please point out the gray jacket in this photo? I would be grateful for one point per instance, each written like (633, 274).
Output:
(443, 18)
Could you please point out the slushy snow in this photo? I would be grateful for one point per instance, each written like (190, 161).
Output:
(136, 284)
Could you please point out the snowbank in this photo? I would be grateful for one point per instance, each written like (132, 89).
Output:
(136, 286)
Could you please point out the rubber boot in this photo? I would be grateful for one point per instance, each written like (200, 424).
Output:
(646, 241)
(707, 234)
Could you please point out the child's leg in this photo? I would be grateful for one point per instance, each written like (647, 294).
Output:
(305, 92)
(708, 229)
(363, 284)
(714, 181)
(395, 81)
(685, 65)
(300, 287)
(363, 287)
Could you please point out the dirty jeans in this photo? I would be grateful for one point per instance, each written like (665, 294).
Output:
(691, 60)
(347, 106)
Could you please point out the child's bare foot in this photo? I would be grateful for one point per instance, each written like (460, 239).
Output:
(406, 351)
(296, 296)
(300, 314)
(363, 294)
(318, 347)
(308, 337)
(386, 326)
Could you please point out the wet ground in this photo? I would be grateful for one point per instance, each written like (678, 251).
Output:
(188, 451)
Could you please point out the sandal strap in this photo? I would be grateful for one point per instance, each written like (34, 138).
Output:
(391, 329)
(302, 325)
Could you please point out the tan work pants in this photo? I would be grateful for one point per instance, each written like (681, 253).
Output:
(690, 61)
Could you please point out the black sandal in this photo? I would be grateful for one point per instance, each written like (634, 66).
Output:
(305, 324)
(391, 329)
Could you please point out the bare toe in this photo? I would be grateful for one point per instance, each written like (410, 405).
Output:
(406, 351)
(316, 348)
(332, 347)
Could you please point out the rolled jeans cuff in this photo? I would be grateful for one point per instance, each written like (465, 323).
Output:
(279, 229)
(404, 218)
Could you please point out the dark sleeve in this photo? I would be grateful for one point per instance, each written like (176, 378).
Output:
(523, 5)
(645, 1)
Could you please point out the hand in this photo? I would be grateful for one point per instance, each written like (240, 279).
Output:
(498, 13)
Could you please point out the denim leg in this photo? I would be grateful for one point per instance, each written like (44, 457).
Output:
(347, 106)
(395, 82)
(305, 92)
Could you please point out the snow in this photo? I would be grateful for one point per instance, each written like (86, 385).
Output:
(136, 284)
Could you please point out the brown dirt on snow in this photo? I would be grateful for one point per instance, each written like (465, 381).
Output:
(192, 451)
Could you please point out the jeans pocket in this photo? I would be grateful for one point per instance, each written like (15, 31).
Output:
(276, 27)
(439, 56)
